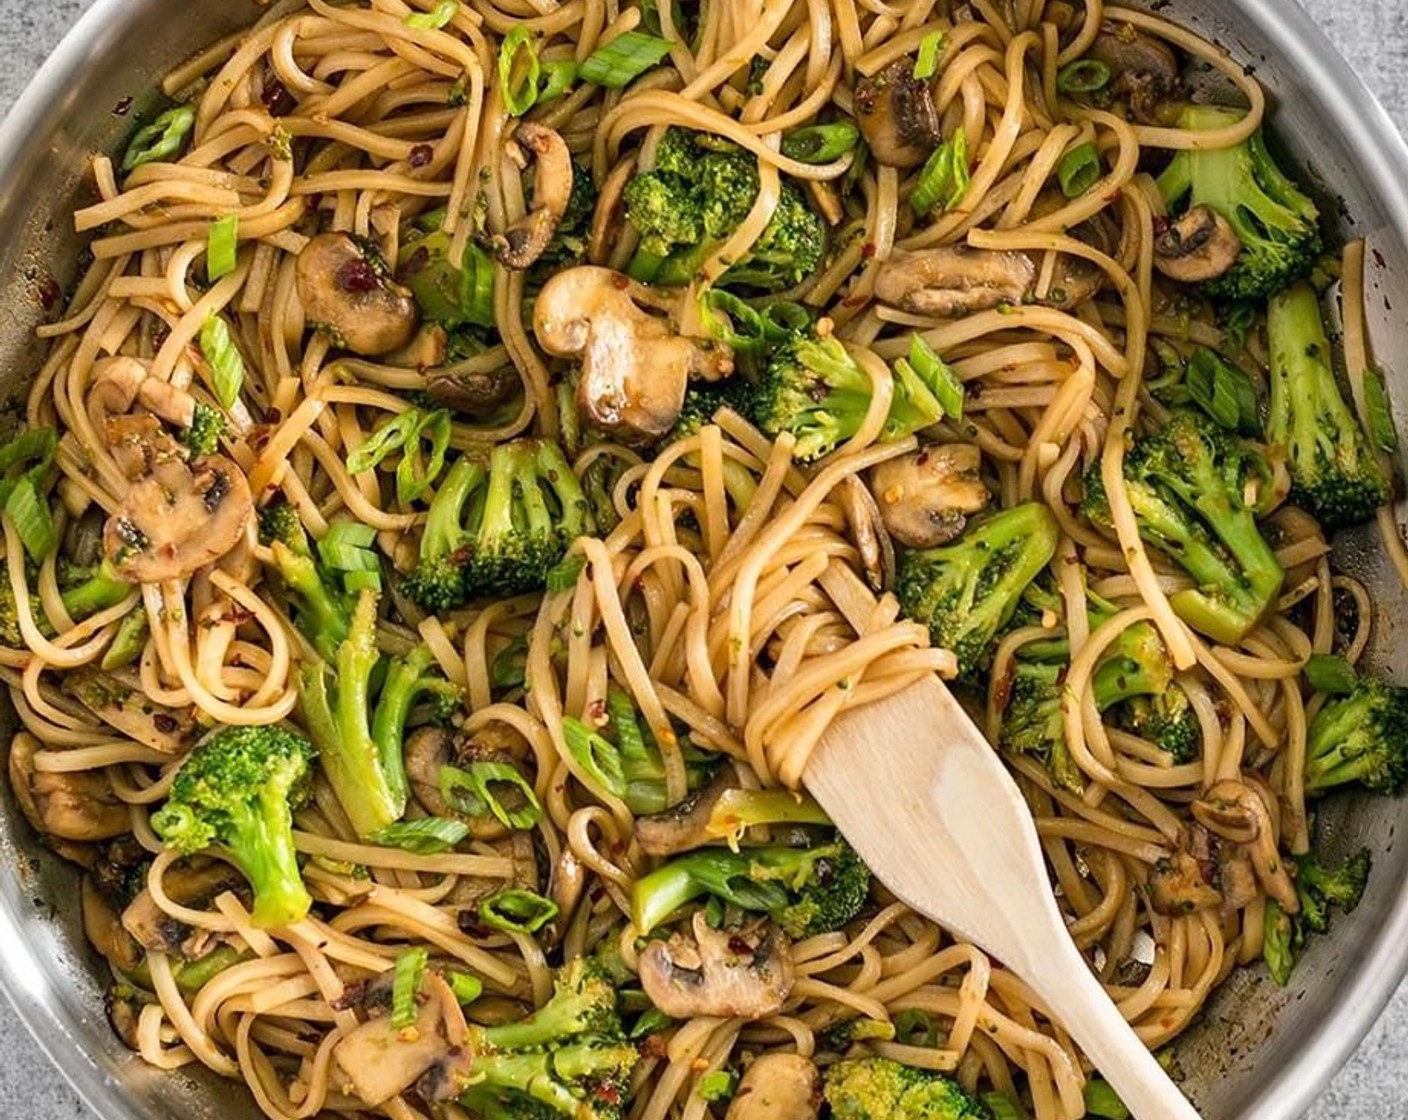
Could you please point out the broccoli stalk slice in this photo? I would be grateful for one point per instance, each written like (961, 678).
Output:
(236, 792)
(1135, 664)
(966, 592)
(103, 589)
(335, 710)
(407, 679)
(1276, 223)
(805, 890)
(1319, 890)
(322, 611)
(583, 1003)
(1362, 737)
(1334, 471)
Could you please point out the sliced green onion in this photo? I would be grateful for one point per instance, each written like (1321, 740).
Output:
(359, 581)
(427, 836)
(1085, 75)
(415, 477)
(944, 180)
(32, 443)
(348, 558)
(160, 139)
(519, 71)
(926, 64)
(480, 789)
(221, 247)
(30, 515)
(937, 375)
(563, 575)
(716, 1085)
(1101, 1100)
(508, 667)
(914, 1022)
(513, 910)
(1378, 413)
(749, 329)
(467, 988)
(433, 20)
(1223, 391)
(820, 143)
(405, 986)
(651, 1021)
(1330, 673)
(558, 76)
(1001, 1106)
(596, 755)
(389, 437)
(352, 533)
(223, 358)
(624, 59)
(1079, 170)
(630, 742)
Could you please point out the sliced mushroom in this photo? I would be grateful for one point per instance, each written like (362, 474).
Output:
(195, 885)
(1144, 69)
(119, 700)
(877, 554)
(427, 752)
(177, 519)
(730, 973)
(954, 280)
(897, 115)
(78, 805)
(685, 826)
(139, 444)
(1199, 246)
(379, 1062)
(347, 290)
(428, 348)
(1177, 886)
(1238, 813)
(474, 393)
(114, 388)
(102, 923)
(124, 1010)
(566, 886)
(925, 497)
(526, 239)
(777, 1087)
(1073, 281)
(635, 367)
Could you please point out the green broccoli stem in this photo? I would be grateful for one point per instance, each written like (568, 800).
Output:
(444, 531)
(322, 613)
(405, 680)
(752, 879)
(129, 641)
(583, 1002)
(260, 841)
(738, 809)
(336, 710)
(1135, 664)
(103, 589)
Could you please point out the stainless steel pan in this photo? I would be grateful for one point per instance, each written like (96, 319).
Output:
(1259, 1054)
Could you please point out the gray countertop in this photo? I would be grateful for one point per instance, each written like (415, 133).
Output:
(1373, 34)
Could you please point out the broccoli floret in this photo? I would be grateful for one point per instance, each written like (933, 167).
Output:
(875, 1088)
(207, 426)
(1276, 223)
(568, 1059)
(568, 246)
(815, 390)
(967, 591)
(690, 203)
(10, 617)
(1166, 719)
(237, 791)
(1188, 485)
(703, 400)
(806, 890)
(1362, 737)
(95, 591)
(1319, 890)
(1333, 469)
(1033, 723)
(498, 524)
(322, 610)
(369, 781)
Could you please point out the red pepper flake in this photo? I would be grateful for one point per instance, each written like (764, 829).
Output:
(49, 293)
(357, 275)
(868, 250)
(1379, 259)
(421, 155)
(122, 108)
(739, 947)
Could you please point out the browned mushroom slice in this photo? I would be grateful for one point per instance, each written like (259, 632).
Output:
(477, 394)
(743, 974)
(526, 239)
(195, 885)
(179, 518)
(1073, 281)
(114, 388)
(78, 805)
(1177, 886)
(635, 367)
(427, 753)
(954, 280)
(777, 1087)
(427, 349)
(124, 1007)
(925, 497)
(347, 290)
(102, 923)
(1239, 813)
(685, 826)
(138, 443)
(119, 700)
(897, 115)
(378, 1061)
(1199, 246)
(1144, 69)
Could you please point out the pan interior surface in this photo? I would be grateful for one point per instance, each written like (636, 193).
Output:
(1258, 1053)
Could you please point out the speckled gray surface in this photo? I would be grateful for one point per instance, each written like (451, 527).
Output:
(1373, 34)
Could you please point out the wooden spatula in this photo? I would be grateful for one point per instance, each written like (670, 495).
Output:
(927, 803)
